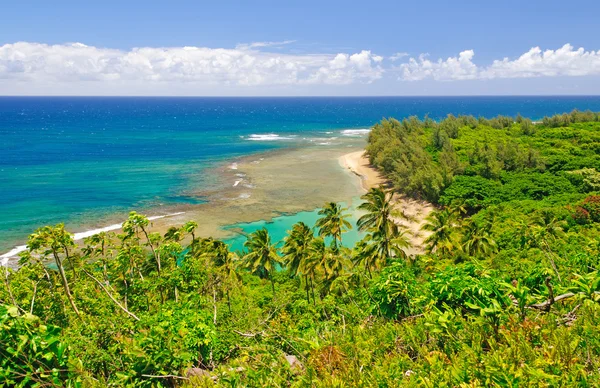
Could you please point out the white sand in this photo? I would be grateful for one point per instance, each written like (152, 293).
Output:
(414, 211)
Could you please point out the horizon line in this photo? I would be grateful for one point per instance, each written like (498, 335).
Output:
(292, 96)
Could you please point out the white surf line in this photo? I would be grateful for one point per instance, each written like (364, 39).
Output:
(355, 132)
(76, 237)
(269, 137)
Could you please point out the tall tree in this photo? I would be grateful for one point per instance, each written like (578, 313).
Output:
(477, 239)
(296, 247)
(333, 222)
(225, 261)
(385, 233)
(375, 250)
(546, 228)
(133, 225)
(190, 228)
(56, 241)
(98, 247)
(262, 258)
(443, 237)
(330, 260)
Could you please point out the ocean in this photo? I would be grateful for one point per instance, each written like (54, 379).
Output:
(78, 159)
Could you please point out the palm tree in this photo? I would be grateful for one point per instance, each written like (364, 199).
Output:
(296, 250)
(546, 229)
(442, 238)
(477, 239)
(225, 260)
(262, 257)
(296, 246)
(375, 250)
(385, 233)
(333, 223)
(330, 260)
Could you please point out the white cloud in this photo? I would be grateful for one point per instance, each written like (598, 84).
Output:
(455, 68)
(244, 46)
(564, 61)
(344, 68)
(550, 63)
(261, 68)
(243, 65)
(397, 56)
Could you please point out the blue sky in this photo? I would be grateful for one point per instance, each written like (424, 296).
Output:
(367, 35)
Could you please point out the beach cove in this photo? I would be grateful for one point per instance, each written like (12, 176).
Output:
(87, 162)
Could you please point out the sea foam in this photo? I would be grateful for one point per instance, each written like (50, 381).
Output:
(355, 132)
(77, 236)
(267, 137)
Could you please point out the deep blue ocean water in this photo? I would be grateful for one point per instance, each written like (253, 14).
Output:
(68, 159)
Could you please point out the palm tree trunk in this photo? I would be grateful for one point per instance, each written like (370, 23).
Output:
(272, 283)
(228, 300)
(214, 305)
(307, 288)
(312, 286)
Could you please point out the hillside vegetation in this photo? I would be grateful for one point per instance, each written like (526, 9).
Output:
(508, 293)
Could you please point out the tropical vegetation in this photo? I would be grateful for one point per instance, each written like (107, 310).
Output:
(506, 291)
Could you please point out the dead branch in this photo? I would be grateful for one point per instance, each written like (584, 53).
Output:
(249, 335)
(166, 377)
(132, 315)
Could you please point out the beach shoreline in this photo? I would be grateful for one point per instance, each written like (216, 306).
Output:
(358, 164)
(414, 212)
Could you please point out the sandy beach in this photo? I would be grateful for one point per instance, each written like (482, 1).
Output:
(360, 166)
(414, 212)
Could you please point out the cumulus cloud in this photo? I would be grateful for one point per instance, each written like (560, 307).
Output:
(75, 68)
(454, 68)
(363, 66)
(242, 65)
(565, 61)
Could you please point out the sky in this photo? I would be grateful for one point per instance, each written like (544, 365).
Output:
(257, 48)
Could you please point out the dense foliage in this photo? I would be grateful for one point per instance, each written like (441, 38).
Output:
(507, 294)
